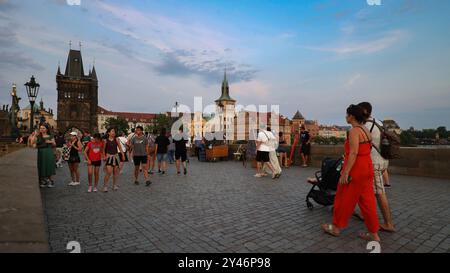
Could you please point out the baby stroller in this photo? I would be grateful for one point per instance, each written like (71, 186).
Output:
(325, 181)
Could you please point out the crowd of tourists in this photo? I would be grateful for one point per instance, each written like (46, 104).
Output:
(110, 150)
(362, 180)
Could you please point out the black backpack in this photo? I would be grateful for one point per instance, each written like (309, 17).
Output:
(389, 142)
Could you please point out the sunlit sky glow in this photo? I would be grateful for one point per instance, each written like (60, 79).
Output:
(315, 56)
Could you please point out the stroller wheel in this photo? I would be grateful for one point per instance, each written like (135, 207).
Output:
(309, 205)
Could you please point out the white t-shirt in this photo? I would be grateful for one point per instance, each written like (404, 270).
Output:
(376, 138)
(265, 137)
(130, 136)
(122, 142)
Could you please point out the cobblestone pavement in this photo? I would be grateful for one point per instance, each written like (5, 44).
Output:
(221, 207)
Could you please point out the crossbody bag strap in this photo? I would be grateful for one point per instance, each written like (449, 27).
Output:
(373, 125)
(369, 139)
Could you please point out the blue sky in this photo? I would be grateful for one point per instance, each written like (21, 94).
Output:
(315, 56)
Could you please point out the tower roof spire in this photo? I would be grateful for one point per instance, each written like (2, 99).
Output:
(94, 73)
(225, 90)
(74, 67)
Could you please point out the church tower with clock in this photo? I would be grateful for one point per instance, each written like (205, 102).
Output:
(77, 96)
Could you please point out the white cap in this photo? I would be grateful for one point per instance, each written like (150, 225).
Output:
(73, 134)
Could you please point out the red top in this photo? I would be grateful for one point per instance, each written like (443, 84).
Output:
(362, 170)
(95, 150)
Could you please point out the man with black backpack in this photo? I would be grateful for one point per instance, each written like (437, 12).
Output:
(382, 150)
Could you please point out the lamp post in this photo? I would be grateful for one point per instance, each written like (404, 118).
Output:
(32, 91)
(176, 107)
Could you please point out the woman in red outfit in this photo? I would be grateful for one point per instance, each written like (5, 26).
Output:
(356, 182)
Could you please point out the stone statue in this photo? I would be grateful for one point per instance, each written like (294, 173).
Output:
(14, 111)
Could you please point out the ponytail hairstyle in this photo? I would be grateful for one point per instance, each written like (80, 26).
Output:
(357, 112)
(367, 109)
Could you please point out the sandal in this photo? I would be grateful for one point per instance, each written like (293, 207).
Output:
(328, 228)
(367, 237)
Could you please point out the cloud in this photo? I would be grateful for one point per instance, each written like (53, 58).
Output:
(353, 79)
(184, 62)
(7, 37)
(255, 90)
(185, 49)
(287, 35)
(6, 5)
(387, 40)
(9, 56)
(19, 60)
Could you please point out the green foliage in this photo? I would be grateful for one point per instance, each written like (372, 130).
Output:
(328, 140)
(118, 123)
(407, 139)
(430, 133)
(161, 121)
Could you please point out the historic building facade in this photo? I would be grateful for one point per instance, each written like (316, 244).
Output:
(77, 96)
(41, 114)
(246, 123)
(297, 122)
(133, 119)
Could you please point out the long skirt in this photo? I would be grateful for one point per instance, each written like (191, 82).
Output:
(275, 163)
(46, 162)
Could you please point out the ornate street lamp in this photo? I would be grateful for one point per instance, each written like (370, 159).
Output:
(32, 91)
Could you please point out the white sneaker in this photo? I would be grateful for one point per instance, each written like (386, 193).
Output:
(72, 183)
(258, 175)
(76, 183)
(90, 189)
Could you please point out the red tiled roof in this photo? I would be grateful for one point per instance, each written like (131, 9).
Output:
(128, 115)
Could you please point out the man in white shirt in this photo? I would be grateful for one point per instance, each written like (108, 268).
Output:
(273, 154)
(262, 153)
(380, 166)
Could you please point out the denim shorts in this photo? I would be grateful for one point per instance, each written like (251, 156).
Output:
(161, 157)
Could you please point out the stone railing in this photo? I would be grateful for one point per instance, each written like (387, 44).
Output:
(424, 162)
(6, 148)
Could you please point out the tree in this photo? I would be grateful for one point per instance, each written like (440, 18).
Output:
(120, 124)
(407, 139)
(429, 133)
(161, 121)
(442, 131)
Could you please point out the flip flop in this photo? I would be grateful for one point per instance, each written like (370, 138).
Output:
(367, 237)
(328, 229)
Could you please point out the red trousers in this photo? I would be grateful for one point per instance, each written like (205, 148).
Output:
(358, 191)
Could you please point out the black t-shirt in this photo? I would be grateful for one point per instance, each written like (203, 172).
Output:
(304, 136)
(180, 142)
(60, 141)
(162, 142)
(74, 151)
